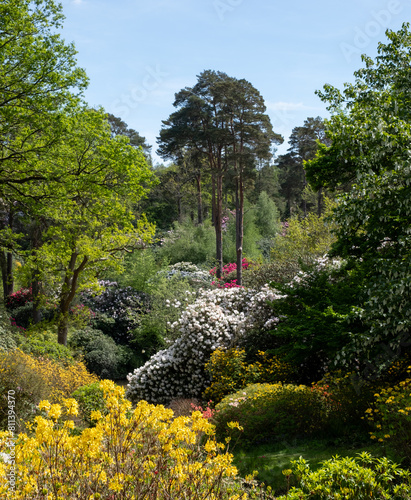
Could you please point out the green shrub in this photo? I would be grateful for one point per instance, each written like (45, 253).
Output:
(348, 398)
(22, 315)
(90, 398)
(188, 243)
(360, 478)
(45, 344)
(269, 412)
(389, 417)
(101, 354)
(8, 335)
(315, 309)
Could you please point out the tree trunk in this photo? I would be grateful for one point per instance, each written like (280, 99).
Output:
(62, 330)
(218, 226)
(213, 201)
(199, 200)
(320, 202)
(35, 288)
(239, 221)
(304, 200)
(68, 293)
(35, 284)
(6, 265)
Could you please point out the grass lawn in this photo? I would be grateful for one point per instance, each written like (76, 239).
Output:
(271, 459)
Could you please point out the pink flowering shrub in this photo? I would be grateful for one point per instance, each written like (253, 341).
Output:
(207, 412)
(19, 298)
(228, 269)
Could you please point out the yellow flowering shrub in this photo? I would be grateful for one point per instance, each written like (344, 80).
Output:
(33, 379)
(390, 417)
(230, 372)
(270, 411)
(141, 453)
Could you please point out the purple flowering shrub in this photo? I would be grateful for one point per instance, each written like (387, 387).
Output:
(117, 311)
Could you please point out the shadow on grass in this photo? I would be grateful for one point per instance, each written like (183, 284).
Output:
(271, 459)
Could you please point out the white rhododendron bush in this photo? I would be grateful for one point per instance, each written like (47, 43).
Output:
(217, 318)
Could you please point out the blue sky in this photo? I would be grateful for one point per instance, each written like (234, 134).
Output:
(138, 54)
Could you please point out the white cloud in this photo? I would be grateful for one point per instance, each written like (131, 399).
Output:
(286, 106)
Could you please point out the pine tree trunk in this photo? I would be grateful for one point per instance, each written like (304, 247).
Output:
(218, 226)
(239, 219)
(199, 200)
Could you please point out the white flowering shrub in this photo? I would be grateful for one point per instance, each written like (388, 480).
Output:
(217, 318)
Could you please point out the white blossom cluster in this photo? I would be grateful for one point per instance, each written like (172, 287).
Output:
(319, 264)
(185, 270)
(218, 318)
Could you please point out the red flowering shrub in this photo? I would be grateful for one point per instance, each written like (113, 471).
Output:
(19, 298)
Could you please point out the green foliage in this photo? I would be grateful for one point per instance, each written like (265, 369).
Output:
(359, 478)
(188, 243)
(88, 234)
(252, 236)
(370, 133)
(304, 240)
(90, 398)
(139, 267)
(230, 372)
(44, 343)
(39, 80)
(168, 295)
(270, 460)
(347, 398)
(269, 412)
(8, 334)
(389, 416)
(101, 354)
(315, 313)
(260, 273)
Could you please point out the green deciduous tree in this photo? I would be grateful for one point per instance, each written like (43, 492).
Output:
(39, 83)
(91, 222)
(371, 136)
(39, 80)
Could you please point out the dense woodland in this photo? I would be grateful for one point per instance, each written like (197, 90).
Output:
(269, 290)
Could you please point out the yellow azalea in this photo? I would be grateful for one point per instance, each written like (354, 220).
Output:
(147, 440)
(44, 405)
(95, 415)
(71, 406)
